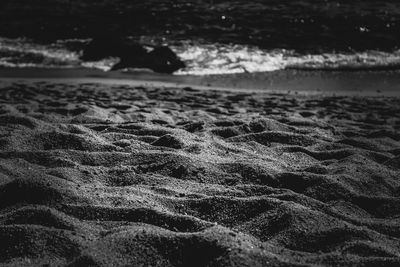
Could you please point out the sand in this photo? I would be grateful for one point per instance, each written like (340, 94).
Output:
(96, 174)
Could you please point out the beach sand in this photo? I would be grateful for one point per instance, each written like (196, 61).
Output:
(100, 173)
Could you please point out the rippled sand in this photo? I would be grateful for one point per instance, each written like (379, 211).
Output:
(113, 175)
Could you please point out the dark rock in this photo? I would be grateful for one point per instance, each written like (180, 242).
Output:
(132, 55)
(164, 60)
(111, 46)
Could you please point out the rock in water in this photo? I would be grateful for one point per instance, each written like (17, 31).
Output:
(111, 46)
(132, 55)
(164, 60)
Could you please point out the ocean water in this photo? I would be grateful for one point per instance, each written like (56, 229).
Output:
(211, 36)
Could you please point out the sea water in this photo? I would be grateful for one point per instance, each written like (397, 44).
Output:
(212, 37)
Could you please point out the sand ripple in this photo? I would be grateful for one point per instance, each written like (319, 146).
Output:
(100, 175)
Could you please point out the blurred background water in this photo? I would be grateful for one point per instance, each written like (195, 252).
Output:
(211, 36)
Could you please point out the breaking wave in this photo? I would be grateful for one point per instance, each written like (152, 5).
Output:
(201, 59)
(224, 59)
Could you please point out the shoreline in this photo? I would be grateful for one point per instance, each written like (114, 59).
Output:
(360, 83)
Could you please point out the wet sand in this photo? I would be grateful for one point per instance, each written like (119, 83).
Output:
(354, 83)
(100, 173)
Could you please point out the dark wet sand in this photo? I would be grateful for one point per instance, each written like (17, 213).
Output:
(361, 83)
(102, 174)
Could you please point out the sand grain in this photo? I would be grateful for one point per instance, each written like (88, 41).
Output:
(102, 175)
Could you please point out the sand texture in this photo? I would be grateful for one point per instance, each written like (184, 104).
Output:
(103, 175)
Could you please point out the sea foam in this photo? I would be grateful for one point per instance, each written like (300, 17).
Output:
(200, 58)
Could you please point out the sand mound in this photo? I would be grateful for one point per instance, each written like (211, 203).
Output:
(100, 175)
